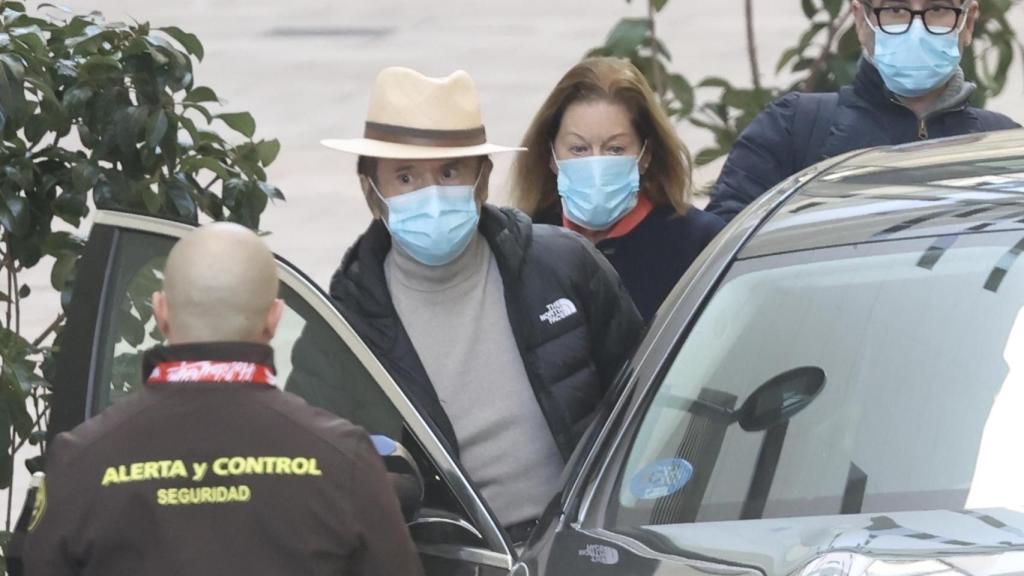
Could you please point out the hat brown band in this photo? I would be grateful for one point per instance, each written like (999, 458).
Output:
(425, 137)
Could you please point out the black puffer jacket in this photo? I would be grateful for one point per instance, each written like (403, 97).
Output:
(570, 314)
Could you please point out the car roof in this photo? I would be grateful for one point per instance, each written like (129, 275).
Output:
(951, 186)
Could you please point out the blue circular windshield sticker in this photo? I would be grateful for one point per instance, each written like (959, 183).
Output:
(661, 478)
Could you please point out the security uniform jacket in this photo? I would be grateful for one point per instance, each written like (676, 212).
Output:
(216, 477)
(570, 314)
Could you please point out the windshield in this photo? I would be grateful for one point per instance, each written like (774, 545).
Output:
(868, 378)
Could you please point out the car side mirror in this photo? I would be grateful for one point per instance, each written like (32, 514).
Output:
(404, 474)
(781, 398)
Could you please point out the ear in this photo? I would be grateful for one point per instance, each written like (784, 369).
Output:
(864, 32)
(160, 313)
(967, 34)
(645, 160)
(273, 319)
(483, 184)
(372, 201)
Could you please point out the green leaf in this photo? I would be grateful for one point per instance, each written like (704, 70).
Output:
(13, 395)
(808, 36)
(99, 68)
(241, 122)
(131, 328)
(190, 42)
(84, 176)
(87, 41)
(13, 346)
(252, 203)
(708, 155)
(156, 128)
(714, 82)
(24, 291)
(62, 273)
(77, 98)
(628, 36)
(201, 94)
(6, 465)
(194, 164)
(833, 7)
(71, 208)
(786, 57)
(14, 214)
(12, 92)
(272, 192)
(268, 151)
(22, 175)
(803, 64)
(23, 374)
(151, 198)
(63, 243)
(683, 92)
(31, 37)
(179, 193)
(658, 5)
(809, 8)
(37, 437)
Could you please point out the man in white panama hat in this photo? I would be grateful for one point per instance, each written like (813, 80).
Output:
(507, 334)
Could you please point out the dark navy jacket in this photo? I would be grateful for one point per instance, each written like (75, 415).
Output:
(655, 254)
(771, 148)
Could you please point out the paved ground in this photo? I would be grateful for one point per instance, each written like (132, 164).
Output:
(304, 69)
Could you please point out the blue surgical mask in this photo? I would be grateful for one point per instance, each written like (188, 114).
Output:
(433, 224)
(917, 61)
(597, 191)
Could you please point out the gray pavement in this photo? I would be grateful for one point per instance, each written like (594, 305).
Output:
(304, 68)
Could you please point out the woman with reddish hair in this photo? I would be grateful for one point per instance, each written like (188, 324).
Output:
(604, 160)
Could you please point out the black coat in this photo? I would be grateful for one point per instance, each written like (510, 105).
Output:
(652, 257)
(571, 361)
(770, 149)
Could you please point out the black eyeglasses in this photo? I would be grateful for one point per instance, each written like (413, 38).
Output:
(897, 19)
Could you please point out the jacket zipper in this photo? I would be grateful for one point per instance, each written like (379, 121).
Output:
(922, 123)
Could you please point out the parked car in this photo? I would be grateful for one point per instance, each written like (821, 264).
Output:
(835, 387)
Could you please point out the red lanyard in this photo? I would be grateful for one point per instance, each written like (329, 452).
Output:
(212, 371)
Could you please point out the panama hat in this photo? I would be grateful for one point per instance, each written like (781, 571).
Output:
(416, 117)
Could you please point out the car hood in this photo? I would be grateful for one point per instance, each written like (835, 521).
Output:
(977, 542)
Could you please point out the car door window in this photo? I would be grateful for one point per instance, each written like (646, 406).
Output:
(853, 379)
(311, 359)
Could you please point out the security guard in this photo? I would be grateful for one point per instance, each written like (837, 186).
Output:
(209, 468)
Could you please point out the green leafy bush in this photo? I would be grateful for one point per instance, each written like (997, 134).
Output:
(104, 114)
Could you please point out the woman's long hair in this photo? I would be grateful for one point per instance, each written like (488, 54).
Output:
(667, 179)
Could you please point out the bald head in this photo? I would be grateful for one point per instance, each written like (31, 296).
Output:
(220, 284)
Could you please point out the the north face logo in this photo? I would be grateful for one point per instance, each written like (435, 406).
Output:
(558, 310)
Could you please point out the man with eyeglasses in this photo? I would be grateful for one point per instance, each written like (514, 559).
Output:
(909, 87)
